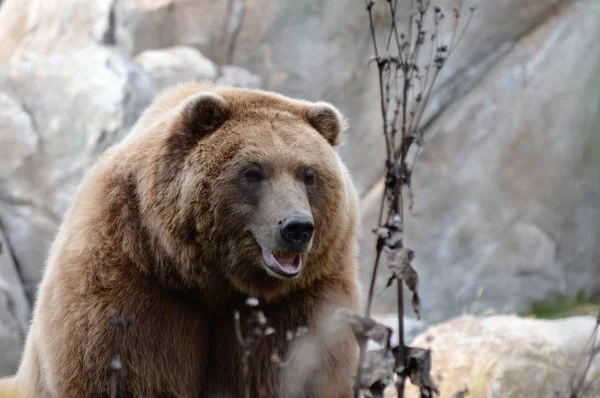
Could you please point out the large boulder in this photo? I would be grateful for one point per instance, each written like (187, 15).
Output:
(58, 114)
(236, 76)
(175, 65)
(508, 356)
(314, 49)
(14, 118)
(14, 311)
(11, 337)
(178, 64)
(32, 29)
(507, 196)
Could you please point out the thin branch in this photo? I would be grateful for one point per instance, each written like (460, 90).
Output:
(456, 14)
(410, 27)
(370, 4)
(397, 74)
(472, 10)
(372, 285)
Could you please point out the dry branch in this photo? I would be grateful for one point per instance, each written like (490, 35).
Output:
(405, 87)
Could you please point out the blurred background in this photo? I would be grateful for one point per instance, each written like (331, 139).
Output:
(507, 189)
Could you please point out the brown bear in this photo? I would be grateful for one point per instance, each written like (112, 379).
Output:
(217, 195)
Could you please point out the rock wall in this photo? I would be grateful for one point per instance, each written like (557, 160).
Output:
(506, 193)
(507, 190)
(508, 356)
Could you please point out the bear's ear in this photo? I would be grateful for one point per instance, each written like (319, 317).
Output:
(205, 112)
(328, 121)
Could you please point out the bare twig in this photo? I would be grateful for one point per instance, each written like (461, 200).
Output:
(279, 356)
(257, 327)
(398, 71)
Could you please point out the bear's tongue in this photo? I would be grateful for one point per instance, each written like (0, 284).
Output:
(284, 264)
(287, 262)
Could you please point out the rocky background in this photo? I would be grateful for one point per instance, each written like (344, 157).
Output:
(507, 190)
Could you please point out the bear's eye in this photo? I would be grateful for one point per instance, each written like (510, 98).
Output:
(309, 177)
(254, 175)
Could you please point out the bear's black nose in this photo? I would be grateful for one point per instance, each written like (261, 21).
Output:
(297, 228)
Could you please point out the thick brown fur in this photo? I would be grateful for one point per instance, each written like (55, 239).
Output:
(157, 231)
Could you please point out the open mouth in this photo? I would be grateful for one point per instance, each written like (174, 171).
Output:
(286, 265)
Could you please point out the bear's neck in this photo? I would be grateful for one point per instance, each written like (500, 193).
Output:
(120, 230)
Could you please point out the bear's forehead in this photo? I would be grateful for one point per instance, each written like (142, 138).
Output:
(276, 139)
(266, 128)
(260, 115)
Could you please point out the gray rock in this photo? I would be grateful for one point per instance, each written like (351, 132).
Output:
(38, 30)
(11, 285)
(174, 65)
(506, 198)
(236, 76)
(14, 311)
(13, 119)
(11, 339)
(134, 26)
(313, 49)
(508, 356)
(70, 108)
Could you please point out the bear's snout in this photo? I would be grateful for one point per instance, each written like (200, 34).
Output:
(297, 229)
(282, 248)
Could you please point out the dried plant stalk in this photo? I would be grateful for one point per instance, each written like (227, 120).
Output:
(405, 87)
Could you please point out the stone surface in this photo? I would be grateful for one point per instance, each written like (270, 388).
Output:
(11, 340)
(507, 192)
(507, 198)
(175, 65)
(508, 356)
(19, 135)
(236, 76)
(37, 29)
(10, 284)
(314, 49)
(14, 310)
(61, 113)
(179, 64)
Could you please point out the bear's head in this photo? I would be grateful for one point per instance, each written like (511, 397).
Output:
(245, 185)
